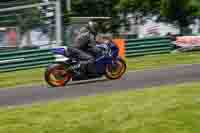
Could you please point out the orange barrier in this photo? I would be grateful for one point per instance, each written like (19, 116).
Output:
(121, 45)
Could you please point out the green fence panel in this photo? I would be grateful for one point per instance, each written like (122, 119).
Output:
(18, 52)
(133, 44)
(147, 39)
(148, 53)
(27, 63)
(148, 46)
(25, 59)
(148, 50)
(27, 56)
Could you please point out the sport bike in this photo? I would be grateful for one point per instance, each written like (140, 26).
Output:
(108, 63)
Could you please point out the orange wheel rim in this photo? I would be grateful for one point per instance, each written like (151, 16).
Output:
(120, 69)
(59, 72)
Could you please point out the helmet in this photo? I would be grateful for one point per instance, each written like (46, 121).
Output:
(92, 27)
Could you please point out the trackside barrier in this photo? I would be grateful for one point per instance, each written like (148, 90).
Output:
(121, 45)
(148, 46)
(13, 60)
(25, 59)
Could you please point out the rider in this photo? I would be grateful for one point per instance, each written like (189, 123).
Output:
(84, 47)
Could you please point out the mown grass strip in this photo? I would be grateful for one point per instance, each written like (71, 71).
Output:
(169, 109)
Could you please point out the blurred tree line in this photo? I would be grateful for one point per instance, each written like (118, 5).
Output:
(96, 8)
(180, 12)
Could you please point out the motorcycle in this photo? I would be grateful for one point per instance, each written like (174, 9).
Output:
(108, 64)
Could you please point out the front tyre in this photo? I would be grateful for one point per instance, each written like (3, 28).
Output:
(56, 75)
(116, 71)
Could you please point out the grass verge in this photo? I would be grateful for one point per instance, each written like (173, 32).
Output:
(164, 60)
(36, 76)
(169, 109)
(22, 78)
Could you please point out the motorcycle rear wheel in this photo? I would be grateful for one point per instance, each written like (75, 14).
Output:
(56, 75)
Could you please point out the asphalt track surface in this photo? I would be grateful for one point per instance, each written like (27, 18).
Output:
(130, 81)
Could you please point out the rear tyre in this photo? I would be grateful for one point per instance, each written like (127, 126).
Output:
(56, 75)
(117, 71)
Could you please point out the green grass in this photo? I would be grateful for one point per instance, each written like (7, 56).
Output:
(164, 60)
(35, 76)
(169, 109)
(22, 78)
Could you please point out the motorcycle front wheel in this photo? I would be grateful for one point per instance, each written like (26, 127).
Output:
(56, 75)
(116, 71)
